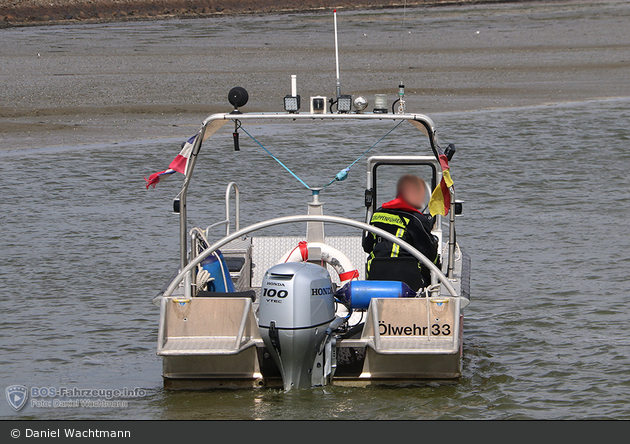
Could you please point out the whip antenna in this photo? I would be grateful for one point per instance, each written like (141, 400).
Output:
(343, 102)
(401, 86)
(337, 54)
(402, 56)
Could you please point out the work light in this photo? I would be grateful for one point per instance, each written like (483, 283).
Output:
(291, 104)
(344, 103)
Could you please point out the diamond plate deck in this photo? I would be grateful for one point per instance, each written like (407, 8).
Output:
(267, 251)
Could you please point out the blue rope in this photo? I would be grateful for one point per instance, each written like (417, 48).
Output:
(276, 159)
(343, 174)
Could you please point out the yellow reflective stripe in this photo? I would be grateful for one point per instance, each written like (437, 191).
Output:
(369, 262)
(390, 219)
(396, 248)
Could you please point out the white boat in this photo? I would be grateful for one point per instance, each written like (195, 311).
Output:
(281, 321)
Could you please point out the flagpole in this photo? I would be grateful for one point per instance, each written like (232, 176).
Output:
(451, 236)
(183, 228)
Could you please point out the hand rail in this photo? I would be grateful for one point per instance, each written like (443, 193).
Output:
(237, 206)
(216, 224)
(311, 218)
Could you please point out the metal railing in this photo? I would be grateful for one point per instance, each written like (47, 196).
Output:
(237, 208)
(185, 272)
(213, 123)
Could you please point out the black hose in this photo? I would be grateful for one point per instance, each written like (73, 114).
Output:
(354, 330)
(394, 104)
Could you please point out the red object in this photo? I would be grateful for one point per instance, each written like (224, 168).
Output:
(446, 196)
(178, 165)
(399, 204)
(352, 274)
(443, 161)
(154, 178)
(303, 246)
(440, 202)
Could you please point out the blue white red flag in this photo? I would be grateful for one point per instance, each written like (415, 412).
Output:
(178, 165)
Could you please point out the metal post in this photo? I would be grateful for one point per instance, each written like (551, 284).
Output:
(369, 186)
(451, 236)
(315, 230)
(183, 232)
(188, 285)
(190, 166)
(194, 247)
(293, 85)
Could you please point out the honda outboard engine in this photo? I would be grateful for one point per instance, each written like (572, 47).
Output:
(296, 310)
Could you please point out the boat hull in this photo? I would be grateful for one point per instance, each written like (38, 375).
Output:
(227, 351)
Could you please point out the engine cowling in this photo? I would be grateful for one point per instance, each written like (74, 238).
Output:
(296, 309)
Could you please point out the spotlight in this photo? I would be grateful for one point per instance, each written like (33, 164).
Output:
(360, 103)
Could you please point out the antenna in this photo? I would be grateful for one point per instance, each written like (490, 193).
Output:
(343, 102)
(337, 54)
(402, 55)
(401, 86)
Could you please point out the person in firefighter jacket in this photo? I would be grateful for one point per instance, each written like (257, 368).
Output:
(403, 218)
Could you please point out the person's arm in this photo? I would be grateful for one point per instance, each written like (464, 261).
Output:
(368, 242)
(430, 221)
(425, 242)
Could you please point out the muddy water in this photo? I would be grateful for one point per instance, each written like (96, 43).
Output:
(85, 247)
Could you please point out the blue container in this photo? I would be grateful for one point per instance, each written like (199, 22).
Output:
(216, 266)
(358, 294)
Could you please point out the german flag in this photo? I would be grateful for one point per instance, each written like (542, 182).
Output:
(440, 201)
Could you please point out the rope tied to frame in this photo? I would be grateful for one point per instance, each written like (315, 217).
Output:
(343, 174)
(276, 159)
(340, 176)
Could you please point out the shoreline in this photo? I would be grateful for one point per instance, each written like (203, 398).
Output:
(85, 85)
(175, 133)
(63, 12)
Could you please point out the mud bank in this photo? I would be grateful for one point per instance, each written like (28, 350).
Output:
(37, 12)
(117, 82)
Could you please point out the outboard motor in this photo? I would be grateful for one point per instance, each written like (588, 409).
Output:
(296, 310)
